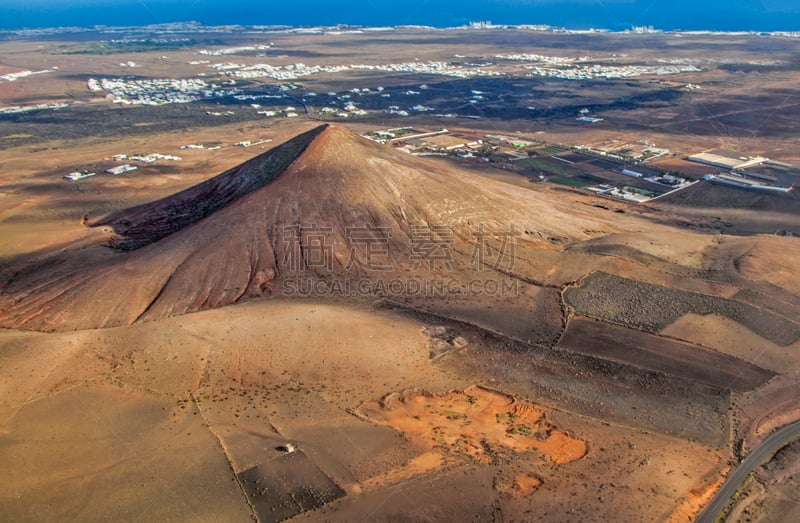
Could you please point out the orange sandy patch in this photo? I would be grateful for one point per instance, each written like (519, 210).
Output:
(696, 499)
(521, 486)
(525, 485)
(423, 463)
(472, 422)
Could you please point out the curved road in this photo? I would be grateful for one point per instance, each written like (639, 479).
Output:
(759, 455)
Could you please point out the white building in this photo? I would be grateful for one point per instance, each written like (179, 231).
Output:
(121, 169)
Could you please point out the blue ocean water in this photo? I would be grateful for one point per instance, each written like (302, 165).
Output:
(720, 15)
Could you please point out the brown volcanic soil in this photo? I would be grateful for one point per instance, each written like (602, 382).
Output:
(651, 307)
(768, 258)
(270, 372)
(157, 419)
(663, 355)
(725, 335)
(242, 250)
(156, 402)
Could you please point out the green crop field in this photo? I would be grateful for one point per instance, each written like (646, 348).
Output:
(572, 182)
(550, 149)
(551, 166)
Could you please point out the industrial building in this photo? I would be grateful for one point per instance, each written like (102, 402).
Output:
(634, 174)
(729, 160)
(740, 182)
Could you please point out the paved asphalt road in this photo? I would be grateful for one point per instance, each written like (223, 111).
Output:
(760, 454)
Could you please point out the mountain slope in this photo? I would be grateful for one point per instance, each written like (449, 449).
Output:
(326, 206)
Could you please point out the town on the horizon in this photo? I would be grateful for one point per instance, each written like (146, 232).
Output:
(340, 29)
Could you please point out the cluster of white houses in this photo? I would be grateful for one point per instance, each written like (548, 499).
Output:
(299, 70)
(124, 168)
(234, 50)
(80, 175)
(552, 60)
(156, 91)
(18, 109)
(149, 158)
(13, 77)
(590, 72)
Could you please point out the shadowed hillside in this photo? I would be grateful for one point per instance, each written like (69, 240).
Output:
(147, 223)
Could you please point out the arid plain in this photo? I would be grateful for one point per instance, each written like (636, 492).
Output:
(315, 326)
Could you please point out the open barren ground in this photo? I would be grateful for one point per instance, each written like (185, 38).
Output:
(396, 275)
